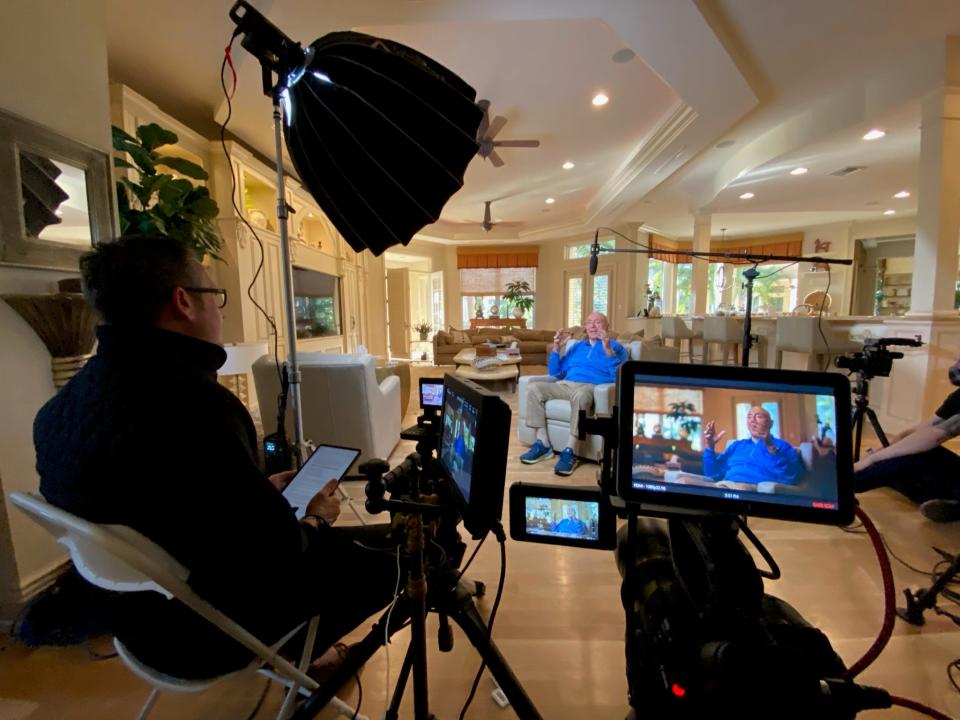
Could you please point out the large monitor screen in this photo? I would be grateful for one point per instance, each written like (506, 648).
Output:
(458, 438)
(755, 442)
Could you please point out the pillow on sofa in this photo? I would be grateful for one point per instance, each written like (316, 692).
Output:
(509, 339)
(458, 337)
(442, 337)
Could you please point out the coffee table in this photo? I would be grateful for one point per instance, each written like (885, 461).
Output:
(505, 368)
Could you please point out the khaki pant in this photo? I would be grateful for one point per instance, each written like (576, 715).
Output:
(580, 396)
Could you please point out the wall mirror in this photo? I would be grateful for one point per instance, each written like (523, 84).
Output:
(55, 198)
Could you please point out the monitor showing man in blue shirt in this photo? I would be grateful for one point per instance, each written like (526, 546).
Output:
(759, 458)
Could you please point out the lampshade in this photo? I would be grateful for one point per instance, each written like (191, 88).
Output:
(240, 357)
(380, 134)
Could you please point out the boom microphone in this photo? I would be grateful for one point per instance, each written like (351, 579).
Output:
(594, 252)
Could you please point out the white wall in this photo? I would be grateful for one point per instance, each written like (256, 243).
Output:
(842, 237)
(55, 58)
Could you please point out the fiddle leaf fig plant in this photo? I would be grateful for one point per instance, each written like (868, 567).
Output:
(160, 202)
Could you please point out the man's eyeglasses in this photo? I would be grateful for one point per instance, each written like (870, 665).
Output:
(221, 294)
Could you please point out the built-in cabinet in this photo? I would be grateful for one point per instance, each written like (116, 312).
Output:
(248, 205)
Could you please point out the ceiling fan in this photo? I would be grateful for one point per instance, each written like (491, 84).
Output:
(489, 129)
(488, 224)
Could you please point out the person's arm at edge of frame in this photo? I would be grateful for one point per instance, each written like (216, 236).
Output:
(927, 436)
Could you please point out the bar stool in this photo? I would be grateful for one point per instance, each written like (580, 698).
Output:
(725, 331)
(673, 326)
(802, 335)
(728, 332)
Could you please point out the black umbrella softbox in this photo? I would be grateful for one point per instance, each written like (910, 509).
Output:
(380, 135)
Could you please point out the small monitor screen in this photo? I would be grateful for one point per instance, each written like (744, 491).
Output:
(431, 394)
(457, 440)
(560, 518)
(729, 441)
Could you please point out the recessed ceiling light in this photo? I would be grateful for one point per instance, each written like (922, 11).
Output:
(889, 212)
(550, 201)
(799, 171)
(724, 144)
(746, 196)
(623, 55)
(599, 100)
(568, 165)
(875, 134)
(309, 214)
(902, 194)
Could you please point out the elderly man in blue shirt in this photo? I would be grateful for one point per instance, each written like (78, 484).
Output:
(759, 458)
(588, 363)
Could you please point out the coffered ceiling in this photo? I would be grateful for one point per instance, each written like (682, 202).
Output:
(786, 84)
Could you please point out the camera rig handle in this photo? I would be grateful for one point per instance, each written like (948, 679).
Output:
(607, 428)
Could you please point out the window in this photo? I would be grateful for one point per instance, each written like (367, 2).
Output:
(582, 250)
(601, 287)
(654, 282)
(574, 301)
(826, 417)
(684, 304)
(774, 291)
(485, 286)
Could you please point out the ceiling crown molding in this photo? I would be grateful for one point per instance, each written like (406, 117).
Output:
(681, 117)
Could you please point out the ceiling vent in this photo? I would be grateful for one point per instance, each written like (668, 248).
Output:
(848, 170)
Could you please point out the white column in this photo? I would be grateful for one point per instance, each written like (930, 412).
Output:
(938, 209)
(701, 243)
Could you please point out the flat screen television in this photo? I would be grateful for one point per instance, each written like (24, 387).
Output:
(317, 303)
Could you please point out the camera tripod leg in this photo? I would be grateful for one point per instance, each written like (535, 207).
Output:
(857, 423)
(875, 422)
(925, 599)
(392, 712)
(465, 614)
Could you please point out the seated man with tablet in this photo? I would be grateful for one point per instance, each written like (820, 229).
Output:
(145, 436)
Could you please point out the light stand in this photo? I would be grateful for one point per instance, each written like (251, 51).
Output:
(750, 274)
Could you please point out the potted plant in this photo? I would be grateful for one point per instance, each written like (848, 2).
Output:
(518, 295)
(159, 202)
(424, 329)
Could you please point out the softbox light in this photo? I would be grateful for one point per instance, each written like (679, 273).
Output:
(380, 134)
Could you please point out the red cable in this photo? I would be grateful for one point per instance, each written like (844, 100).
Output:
(889, 598)
(226, 51)
(919, 707)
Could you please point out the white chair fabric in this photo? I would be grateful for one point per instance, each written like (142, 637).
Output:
(118, 558)
(342, 402)
(604, 398)
(803, 335)
(674, 327)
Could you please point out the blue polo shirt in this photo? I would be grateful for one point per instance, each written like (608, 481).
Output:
(587, 363)
(749, 461)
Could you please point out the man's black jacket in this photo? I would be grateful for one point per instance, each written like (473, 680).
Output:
(144, 436)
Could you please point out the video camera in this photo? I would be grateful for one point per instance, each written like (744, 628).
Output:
(875, 360)
(702, 637)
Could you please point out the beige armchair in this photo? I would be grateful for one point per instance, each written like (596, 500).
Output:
(343, 404)
(604, 397)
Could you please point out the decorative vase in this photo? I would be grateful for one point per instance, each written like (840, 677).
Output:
(479, 313)
(64, 368)
(517, 313)
(423, 337)
(494, 311)
(65, 324)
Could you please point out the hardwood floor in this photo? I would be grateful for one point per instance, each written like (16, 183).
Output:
(560, 626)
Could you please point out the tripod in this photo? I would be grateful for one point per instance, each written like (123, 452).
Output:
(449, 595)
(861, 410)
